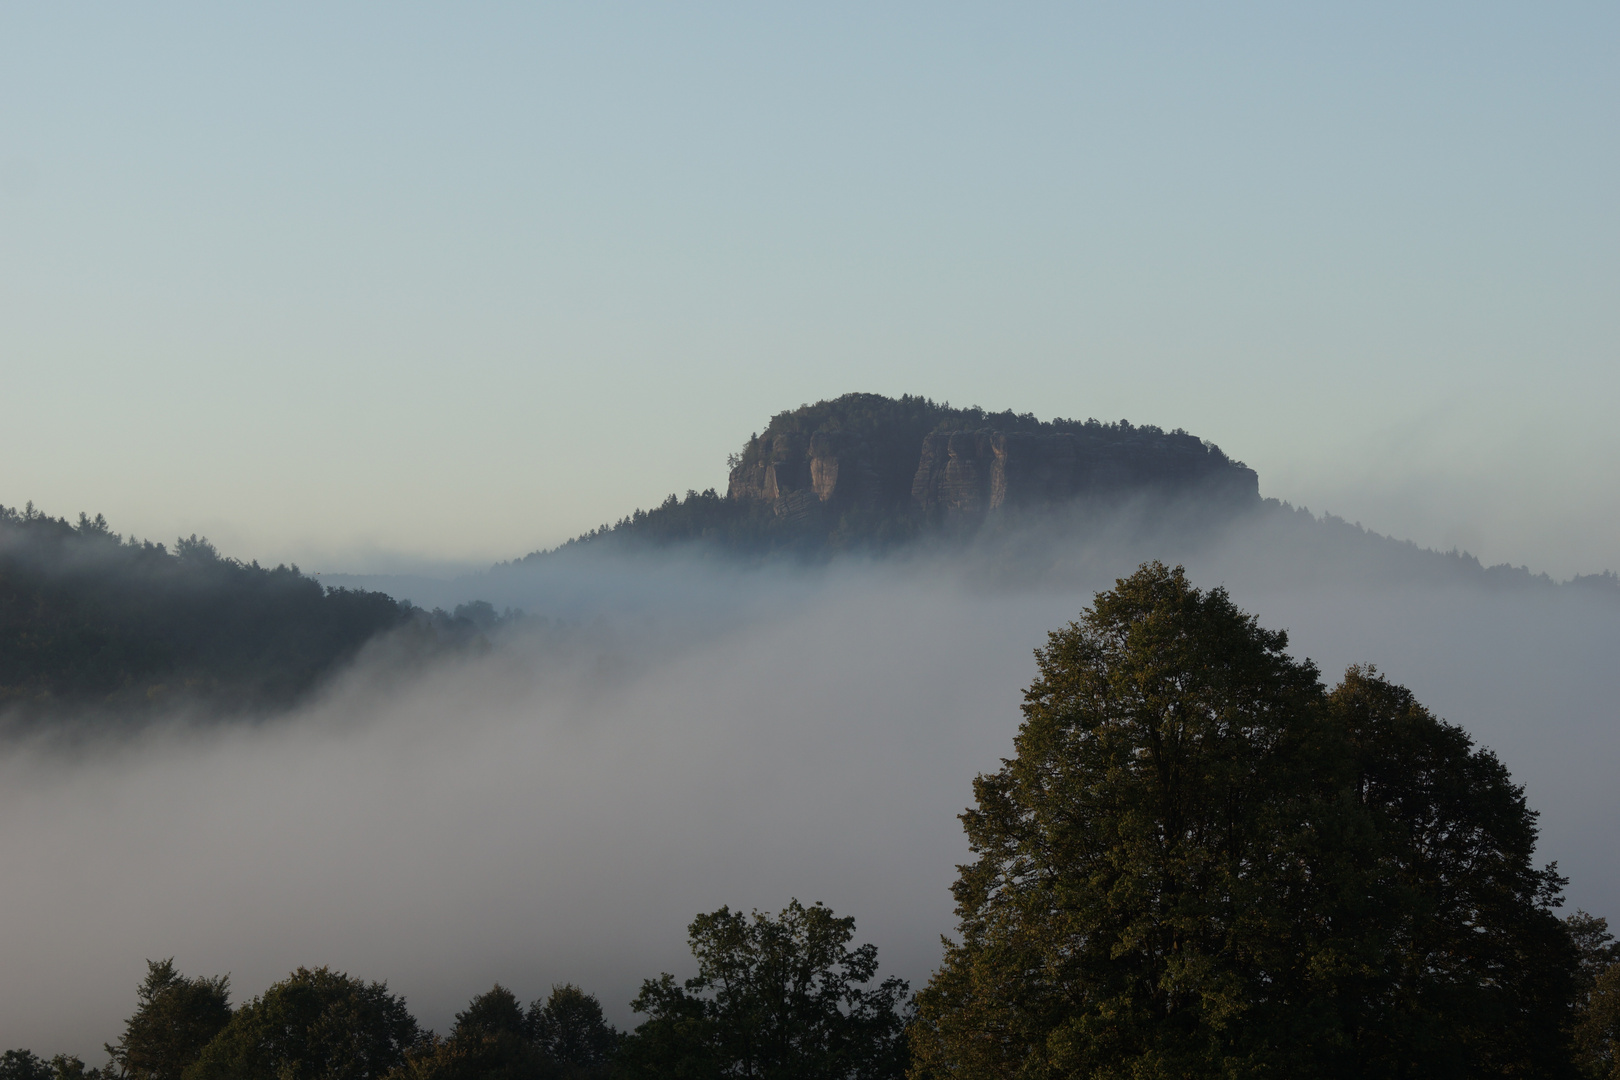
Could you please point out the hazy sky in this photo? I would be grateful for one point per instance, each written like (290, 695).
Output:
(344, 284)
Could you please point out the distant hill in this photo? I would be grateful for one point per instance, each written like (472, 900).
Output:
(867, 471)
(90, 621)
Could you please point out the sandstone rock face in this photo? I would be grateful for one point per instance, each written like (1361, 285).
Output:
(968, 473)
(784, 472)
(973, 473)
(798, 475)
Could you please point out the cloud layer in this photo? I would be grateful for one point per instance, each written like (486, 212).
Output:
(559, 807)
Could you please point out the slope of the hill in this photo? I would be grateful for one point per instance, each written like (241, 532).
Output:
(91, 621)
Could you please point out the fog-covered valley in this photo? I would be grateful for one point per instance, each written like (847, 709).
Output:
(665, 732)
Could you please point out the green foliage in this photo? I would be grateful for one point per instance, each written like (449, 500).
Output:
(570, 1031)
(1597, 1014)
(175, 1018)
(490, 1042)
(90, 621)
(313, 1024)
(700, 516)
(778, 998)
(1597, 1031)
(88, 618)
(564, 1038)
(68, 1067)
(25, 1065)
(1465, 971)
(1125, 916)
(895, 427)
(1198, 864)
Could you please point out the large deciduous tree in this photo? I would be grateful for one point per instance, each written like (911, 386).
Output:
(783, 998)
(1200, 864)
(1464, 970)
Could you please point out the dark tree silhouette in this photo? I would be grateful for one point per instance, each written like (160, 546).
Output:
(313, 1024)
(780, 997)
(95, 624)
(569, 1029)
(1198, 864)
(175, 1018)
(564, 1038)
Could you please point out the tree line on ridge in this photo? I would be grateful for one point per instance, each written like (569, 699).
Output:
(98, 625)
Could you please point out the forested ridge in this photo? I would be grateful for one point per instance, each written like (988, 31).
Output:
(94, 621)
(1199, 862)
(91, 620)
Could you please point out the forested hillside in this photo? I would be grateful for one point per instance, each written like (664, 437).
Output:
(89, 619)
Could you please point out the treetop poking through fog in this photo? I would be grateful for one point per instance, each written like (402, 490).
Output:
(1200, 863)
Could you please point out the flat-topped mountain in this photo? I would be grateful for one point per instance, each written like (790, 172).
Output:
(868, 469)
(867, 452)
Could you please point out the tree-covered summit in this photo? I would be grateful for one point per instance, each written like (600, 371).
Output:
(910, 417)
(865, 470)
(903, 423)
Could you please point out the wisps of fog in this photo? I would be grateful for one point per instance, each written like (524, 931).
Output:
(683, 734)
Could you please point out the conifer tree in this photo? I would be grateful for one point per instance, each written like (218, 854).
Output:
(174, 1019)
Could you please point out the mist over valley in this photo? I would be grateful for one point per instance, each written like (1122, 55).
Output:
(435, 645)
(538, 773)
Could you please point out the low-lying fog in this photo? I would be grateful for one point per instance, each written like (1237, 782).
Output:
(559, 807)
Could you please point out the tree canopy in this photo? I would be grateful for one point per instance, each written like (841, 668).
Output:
(1199, 863)
(174, 1019)
(562, 1038)
(569, 1029)
(313, 1024)
(26, 1065)
(778, 998)
(91, 620)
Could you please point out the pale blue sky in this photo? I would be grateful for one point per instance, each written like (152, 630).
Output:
(346, 283)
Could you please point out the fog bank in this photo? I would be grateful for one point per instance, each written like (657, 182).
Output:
(682, 735)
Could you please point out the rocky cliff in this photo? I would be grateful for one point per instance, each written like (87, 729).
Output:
(823, 458)
(795, 474)
(972, 472)
(867, 471)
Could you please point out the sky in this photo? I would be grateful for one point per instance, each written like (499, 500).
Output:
(370, 287)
